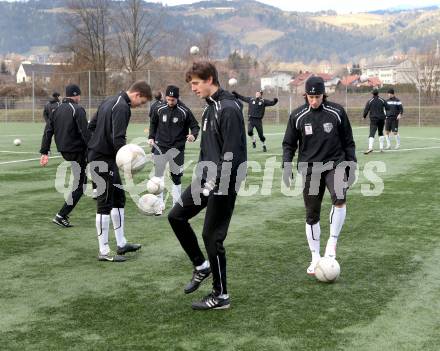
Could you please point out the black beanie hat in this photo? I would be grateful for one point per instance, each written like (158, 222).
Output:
(391, 91)
(315, 86)
(172, 91)
(73, 90)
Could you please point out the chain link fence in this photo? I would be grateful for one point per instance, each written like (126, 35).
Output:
(95, 86)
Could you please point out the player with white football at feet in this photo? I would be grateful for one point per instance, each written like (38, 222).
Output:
(322, 133)
(109, 127)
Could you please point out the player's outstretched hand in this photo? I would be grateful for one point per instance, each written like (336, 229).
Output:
(190, 138)
(44, 159)
(150, 141)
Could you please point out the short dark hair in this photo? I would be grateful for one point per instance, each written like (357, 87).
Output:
(141, 87)
(158, 95)
(204, 70)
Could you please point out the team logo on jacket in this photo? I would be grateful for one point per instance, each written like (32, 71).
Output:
(175, 120)
(164, 118)
(260, 103)
(308, 129)
(253, 102)
(328, 127)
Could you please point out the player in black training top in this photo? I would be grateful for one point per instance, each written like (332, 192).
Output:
(68, 123)
(321, 132)
(223, 161)
(256, 110)
(377, 108)
(109, 127)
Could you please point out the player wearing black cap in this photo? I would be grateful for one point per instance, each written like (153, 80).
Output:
(109, 126)
(68, 123)
(377, 108)
(51, 105)
(256, 110)
(171, 126)
(222, 155)
(321, 131)
(394, 114)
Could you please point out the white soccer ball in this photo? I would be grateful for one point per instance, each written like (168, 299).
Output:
(17, 142)
(150, 205)
(131, 157)
(155, 185)
(232, 82)
(327, 270)
(194, 50)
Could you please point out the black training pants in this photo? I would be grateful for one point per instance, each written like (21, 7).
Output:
(334, 181)
(376, 125)
(78, 161)
(258, 124)
(219, 209)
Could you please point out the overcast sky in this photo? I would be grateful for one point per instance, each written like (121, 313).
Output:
(342, 6)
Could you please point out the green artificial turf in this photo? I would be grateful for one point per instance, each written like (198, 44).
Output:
(55, 295)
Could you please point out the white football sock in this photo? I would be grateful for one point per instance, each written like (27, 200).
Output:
(370, 143)
(254, 140)
(118, 225)
(387, 138)
(176, 191)
(337, 219)
(102, 225)
(203, 266)
(381, 142)
(397, 139)
(313, 233)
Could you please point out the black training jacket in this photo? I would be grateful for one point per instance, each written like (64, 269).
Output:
(109, 126)
(321, 135)
(377, 108)
(169, 126)
(68, 123)
(395, 107)
(223, 132)
(257, 106)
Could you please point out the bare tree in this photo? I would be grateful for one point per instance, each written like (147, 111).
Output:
(138, 31)
(208, 45)
(89, 23)
(423, 70)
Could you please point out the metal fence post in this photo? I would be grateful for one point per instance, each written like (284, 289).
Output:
(90, 96)
(278, 106)
(420, 107)
(33, 96)
(6, 109)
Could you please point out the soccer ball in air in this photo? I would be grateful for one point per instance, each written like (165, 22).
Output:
(17, 142)
(155, 185)
(232, 82)
(194, 50)
(131, 157)
(327, 270)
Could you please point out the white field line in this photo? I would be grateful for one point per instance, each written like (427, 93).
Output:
(19, 152)
(21, 161)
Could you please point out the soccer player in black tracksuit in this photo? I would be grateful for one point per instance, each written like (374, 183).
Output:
(257, 107)
(223, 152)
(322, 132)
(394, 114)
(51, 105)
(68, 122)
(377, 108)
(169, 131)
(109, 126)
